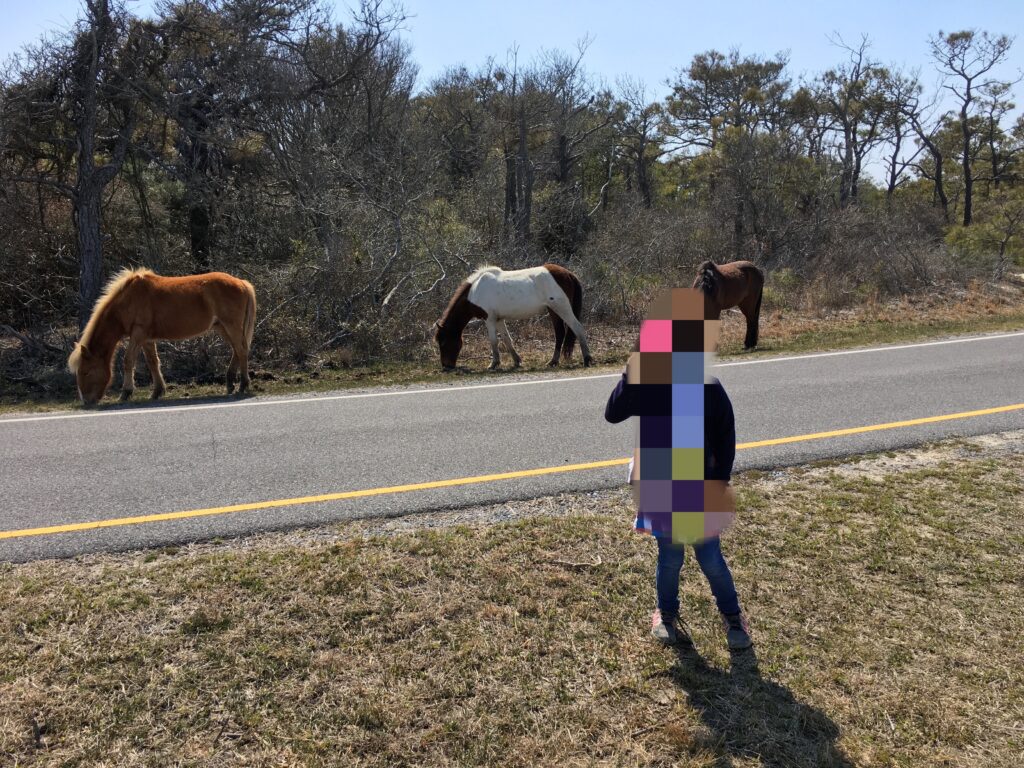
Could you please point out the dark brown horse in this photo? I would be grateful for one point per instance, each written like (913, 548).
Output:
(736, 284)
(493, 295)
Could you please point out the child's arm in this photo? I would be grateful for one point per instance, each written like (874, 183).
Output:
(723, 442)
(619, 404)
(729, 435)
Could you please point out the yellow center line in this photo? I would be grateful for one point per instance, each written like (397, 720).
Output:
(880, 427)
(301, 500)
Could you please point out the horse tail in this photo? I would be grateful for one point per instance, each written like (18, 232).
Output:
(577, 309)
(754, 323)
(249, 324)
(757, 315)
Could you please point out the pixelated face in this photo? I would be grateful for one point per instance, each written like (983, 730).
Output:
(677, 347)
(675, 341)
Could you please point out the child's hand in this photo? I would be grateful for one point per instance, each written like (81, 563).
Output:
(633, 369)
(719, 496)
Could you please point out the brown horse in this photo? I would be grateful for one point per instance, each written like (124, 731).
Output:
(736, 284)
(146, 307)
(495, 296)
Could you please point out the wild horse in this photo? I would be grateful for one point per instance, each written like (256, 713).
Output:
(146, 307)
(495, 296)
(736, 284)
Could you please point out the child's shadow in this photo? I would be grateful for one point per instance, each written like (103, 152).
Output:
(749, 716)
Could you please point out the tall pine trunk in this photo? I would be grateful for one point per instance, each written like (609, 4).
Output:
(98, 41)
(966, 149)
(86, 216)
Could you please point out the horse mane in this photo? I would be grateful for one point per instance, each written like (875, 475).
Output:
(480, 270)
(460, 295)
(112, 289)
(707, 278)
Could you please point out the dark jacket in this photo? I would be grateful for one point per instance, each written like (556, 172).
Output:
(656, 400)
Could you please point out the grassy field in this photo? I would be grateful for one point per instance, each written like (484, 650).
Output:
(885, 599)
(782, 332)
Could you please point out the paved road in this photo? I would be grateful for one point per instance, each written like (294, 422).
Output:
(86, 466)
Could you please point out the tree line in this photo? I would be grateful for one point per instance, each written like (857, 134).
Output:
(264, 138)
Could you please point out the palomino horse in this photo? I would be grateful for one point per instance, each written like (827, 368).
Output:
(736, 284)
(146, 307)
(496, 296)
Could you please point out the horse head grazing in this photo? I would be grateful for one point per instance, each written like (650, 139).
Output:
(92, 358)
(449, 328)
(92, 373)
(449, 342)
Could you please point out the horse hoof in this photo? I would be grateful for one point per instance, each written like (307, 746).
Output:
(126, 394)
(587, 361)
(157, 394)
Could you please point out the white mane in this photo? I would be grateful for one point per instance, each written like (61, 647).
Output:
(480, 270)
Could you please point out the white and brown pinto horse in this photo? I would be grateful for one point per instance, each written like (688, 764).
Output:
(495, 296)
(145, 307)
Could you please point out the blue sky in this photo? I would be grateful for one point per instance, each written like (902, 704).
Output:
(649, 44)
(652, 44)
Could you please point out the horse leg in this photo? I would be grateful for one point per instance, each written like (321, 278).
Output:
(233, 363)
(131, 355)
(564, 310)
(242, 353)
(492, 334)
(239, 355)
(556, 321)
(239, 358)
(516, 361)
(153, 361)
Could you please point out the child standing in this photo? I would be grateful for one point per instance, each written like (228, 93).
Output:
(653, 388)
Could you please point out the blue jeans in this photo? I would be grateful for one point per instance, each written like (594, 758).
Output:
(716, 570)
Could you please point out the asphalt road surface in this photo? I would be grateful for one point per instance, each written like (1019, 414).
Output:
(73, 469)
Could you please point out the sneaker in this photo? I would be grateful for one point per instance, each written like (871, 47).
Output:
(737, 632)
(665, 629)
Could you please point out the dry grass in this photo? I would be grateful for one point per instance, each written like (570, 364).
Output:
(975, 310)
(886, 607)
